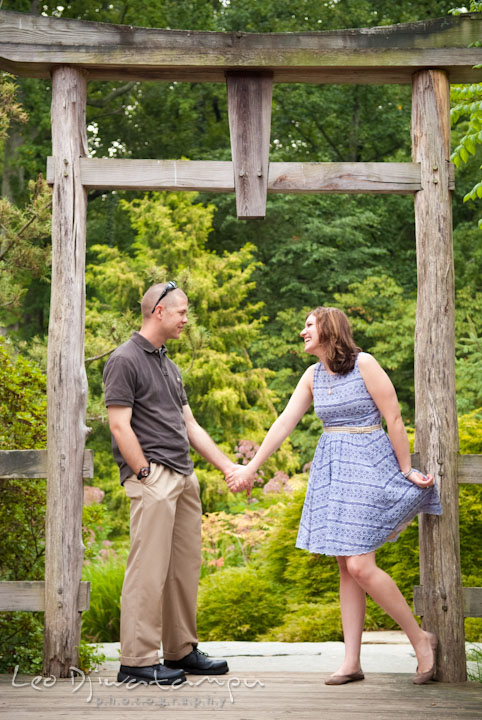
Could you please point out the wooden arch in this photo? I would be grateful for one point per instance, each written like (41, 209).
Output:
(428, 55)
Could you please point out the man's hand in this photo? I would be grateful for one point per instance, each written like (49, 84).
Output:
(240, 478)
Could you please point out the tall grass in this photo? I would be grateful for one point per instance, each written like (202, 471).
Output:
(474, 663)
(101, 623)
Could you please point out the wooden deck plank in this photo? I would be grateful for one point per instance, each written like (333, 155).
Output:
(276, 695)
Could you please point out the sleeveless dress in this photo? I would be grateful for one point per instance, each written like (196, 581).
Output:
(357, 497)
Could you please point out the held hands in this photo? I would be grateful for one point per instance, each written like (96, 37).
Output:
(240, 477)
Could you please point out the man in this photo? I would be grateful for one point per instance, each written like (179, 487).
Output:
(152, 428)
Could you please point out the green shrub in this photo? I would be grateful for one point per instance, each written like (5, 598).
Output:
(213, 489)
(308, 622)
(21, 642)
(101, 623)
(377, 619)
(400, 560)
(23, 410)
(106, 477)
(23, 401)
(473, 629)
(237, 604)
(90, 657)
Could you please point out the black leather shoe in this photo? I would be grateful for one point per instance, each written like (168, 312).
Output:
(151, 674)
(198, 663)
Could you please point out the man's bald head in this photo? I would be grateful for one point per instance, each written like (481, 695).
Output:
(151, 298)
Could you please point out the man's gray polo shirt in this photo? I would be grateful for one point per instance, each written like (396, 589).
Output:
(139, 376)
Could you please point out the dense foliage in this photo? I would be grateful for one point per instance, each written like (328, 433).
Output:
(22, 510)
(249, 286)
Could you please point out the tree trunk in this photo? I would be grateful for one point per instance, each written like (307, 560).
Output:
(66, 380)
(436, 436)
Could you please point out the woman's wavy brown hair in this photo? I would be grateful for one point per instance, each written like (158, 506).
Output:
(337, 339)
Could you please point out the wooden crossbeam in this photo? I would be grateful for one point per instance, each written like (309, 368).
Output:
(469, 468)
(217, 176)
(472, 598)
(29, 464)
(29, 596)
(32, 45)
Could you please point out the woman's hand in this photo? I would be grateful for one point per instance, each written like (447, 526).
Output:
(418, 478)
(240, 478)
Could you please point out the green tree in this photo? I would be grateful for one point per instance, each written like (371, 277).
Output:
(22, 504)
(328, 243)
(228, 393)
(23, 409)
(24, 229)
(466, 118)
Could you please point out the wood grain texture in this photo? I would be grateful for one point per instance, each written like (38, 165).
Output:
(385, 178)
(66, 379)
(31, 464)
(32, 45)
(436, 435)
(254, 696)
(469, 469)
(472, 601)
(217, 176)
(28, 595)
(249, 110)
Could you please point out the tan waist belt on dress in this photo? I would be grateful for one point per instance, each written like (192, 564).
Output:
(352, 428)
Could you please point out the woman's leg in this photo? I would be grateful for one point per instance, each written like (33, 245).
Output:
(352, 604)
(380, 586)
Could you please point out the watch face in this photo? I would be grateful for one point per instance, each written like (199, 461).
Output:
(144, 472)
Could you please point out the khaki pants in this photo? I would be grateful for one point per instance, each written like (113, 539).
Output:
(160, 585)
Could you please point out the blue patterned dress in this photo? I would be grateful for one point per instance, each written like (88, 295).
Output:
(356, 498)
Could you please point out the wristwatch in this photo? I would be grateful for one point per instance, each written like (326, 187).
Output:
(143, 473)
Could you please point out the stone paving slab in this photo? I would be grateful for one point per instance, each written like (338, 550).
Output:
(382, 652)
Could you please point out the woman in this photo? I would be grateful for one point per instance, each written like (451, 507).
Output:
(362, 489)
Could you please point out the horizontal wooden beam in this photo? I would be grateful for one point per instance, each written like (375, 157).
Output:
(32, 45)
(29, 596)
(383, 178)
(469, 468)
(29, 464)
(218, 176)
(472, 597)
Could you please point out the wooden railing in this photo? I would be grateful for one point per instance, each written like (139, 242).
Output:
(28, 595)
(469, 472)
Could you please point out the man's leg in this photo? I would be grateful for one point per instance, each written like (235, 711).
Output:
(180, 590)
(153, 512)
(179, 637)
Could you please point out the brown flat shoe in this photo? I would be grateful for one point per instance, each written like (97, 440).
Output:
(424, 677)
(342, 679)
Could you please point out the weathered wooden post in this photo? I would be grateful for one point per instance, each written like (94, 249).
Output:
(66, 380)
(436, 435)
(249, 109)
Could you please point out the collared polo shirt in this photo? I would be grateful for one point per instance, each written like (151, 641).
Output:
(140, 376)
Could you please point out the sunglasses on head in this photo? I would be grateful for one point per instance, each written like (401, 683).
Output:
(171, 285)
